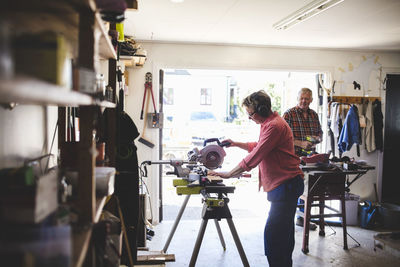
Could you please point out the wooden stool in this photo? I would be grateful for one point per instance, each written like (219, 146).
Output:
(321, 186)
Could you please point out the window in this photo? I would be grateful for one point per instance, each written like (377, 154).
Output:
(205, 96)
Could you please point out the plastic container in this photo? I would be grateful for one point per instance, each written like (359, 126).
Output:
(104, 181)
(390, 214)
(352, 209)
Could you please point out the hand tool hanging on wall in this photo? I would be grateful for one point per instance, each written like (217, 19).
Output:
(147, 86)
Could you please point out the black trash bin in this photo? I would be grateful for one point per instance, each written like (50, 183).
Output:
(390, 215)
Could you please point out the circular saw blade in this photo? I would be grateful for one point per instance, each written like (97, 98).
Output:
(212, 156)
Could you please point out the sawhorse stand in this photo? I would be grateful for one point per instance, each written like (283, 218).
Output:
(218, 212)
(213, 208)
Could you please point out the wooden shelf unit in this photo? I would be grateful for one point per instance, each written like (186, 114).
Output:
(34, 16)
(81, 236)
(133, 61)
(80, 22)
(31, 91)
(28, 90)
(106, 49)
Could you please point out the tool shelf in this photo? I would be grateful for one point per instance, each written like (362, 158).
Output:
(87, 41)
(81, 236)
(32, 91)
(33, 16)
(133, 61)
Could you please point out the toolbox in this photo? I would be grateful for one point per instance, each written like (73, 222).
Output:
(30, 203)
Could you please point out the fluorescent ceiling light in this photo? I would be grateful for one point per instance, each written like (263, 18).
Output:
(306, 12)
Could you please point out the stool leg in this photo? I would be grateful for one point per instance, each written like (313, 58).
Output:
(306, 226)
(344, 224)
(321, 217)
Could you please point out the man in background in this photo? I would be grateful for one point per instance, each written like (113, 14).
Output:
(306, 130)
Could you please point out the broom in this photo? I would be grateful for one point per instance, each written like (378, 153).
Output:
(142, 139)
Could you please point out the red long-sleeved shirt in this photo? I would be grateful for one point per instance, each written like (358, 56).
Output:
(274, 153)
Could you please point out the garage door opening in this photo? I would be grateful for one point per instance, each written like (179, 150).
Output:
(200, 104)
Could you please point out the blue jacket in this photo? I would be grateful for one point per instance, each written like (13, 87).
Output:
(350, 131)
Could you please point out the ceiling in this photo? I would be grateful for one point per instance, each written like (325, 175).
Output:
(352, 24)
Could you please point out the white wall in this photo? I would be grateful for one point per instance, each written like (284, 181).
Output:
(22, 135)
(162, 56)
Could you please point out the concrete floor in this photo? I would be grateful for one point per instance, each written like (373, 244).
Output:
(249, 221)
(324, 251)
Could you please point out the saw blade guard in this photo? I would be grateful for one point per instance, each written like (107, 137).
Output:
(211, 155)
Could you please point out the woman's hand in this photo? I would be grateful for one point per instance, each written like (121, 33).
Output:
(220, 174)
(230, 142)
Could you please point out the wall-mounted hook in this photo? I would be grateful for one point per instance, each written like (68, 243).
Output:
(9, 106)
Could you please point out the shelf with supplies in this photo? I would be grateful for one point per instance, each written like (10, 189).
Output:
(44, 43)
(81, 236)
(28, 90)
(106, 49)
(61, 17)
(133, 61)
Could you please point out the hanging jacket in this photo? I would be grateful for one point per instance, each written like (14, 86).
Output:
(350, 133)
(369, 129)
(378, 124)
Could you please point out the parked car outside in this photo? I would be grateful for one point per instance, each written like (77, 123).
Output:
(204, 125)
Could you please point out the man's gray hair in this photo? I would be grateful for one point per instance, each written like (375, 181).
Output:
(304, 90)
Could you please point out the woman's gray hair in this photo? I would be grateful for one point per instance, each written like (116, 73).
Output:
(260, 102)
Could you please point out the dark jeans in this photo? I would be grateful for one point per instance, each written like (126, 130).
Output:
(279, 229)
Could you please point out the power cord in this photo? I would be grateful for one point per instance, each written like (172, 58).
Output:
(143, 173)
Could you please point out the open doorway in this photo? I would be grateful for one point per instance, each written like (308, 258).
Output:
(200, 104)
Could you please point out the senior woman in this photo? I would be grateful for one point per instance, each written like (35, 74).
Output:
(279, 175)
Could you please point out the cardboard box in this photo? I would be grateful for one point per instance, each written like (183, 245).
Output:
(31, 204)
(42, 55)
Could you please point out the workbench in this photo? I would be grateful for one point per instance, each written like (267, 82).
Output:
(326, 182)
(318, 169)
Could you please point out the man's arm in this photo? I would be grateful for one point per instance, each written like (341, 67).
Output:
(303, 144)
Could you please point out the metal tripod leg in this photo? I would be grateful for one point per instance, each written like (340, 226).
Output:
(237, 242)
(198, 242)
(178, 218)
(221, 238)
(220, 213)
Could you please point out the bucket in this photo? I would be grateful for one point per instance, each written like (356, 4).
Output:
(390, 214)
(351, 209)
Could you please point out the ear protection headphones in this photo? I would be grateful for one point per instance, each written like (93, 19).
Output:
(261, 109)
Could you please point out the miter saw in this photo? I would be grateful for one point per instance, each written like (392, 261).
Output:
(192, 180)
(210, 157)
